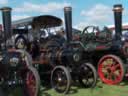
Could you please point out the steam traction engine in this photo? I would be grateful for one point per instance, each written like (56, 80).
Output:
(108, 50)
(112, 66)
(64, 61)
(16, 70)
(68, 61)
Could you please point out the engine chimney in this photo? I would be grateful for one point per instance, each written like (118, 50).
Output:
(68, 23)
(6, 16)
(118, 20)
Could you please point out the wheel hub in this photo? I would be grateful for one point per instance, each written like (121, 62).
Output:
(60, 79)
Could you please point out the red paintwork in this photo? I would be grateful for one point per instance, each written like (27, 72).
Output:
(31, 83)
(111, 70)
(125, 27)
(101, 47)
(11, 50)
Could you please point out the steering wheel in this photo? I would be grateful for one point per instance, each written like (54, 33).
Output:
(89, 33)
(90, 29)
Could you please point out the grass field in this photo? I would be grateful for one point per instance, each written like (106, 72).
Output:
(101, 89)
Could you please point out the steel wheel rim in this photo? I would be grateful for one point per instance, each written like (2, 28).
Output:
(31, 84)
(110, 70)
(86, 76)
(59, 80)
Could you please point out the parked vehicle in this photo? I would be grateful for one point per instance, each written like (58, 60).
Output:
(16, 68)
(107, 51)
(61, 58)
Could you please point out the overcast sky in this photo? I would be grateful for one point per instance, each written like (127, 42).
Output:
(85, 12)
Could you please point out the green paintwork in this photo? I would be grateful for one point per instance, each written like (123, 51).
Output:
(96, 39)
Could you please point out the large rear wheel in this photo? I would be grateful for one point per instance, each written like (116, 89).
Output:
(88, 75)
(111, 69)
(32, 82)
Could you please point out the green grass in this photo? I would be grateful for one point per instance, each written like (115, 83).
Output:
(100, 90)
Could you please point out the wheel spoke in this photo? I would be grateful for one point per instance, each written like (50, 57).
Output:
(110, 70)
(117, 75)
(85, 80)
(109, 76)
(117, 66)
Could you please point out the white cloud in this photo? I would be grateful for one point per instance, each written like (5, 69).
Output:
(18, 17)
(98, 9)
(98, 15)
(49, 7)
(3, 2)
(81, 25)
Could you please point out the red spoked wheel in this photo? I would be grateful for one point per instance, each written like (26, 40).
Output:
(32, 82)
(111, 69)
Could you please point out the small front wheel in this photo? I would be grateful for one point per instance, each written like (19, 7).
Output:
(61, 79)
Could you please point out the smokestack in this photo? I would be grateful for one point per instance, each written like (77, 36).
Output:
(118, 20)
(68, 23)
(6, 16)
